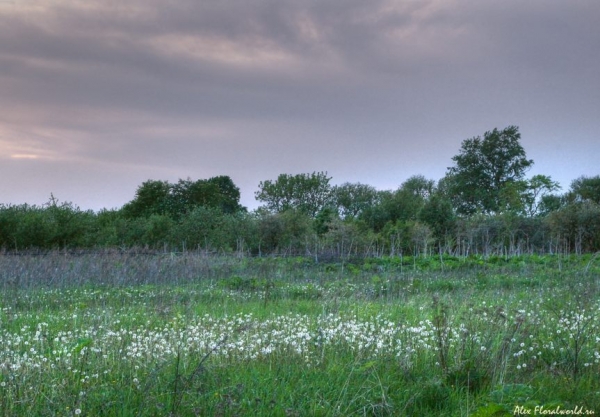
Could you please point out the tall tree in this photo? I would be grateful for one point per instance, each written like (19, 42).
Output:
(188, 194)
(353, 199)
(437, 213)
(401, 205)
(585, 189)
(229, 201)
(536, 198)
(487, 171)
(418, 186)
(308, 193)
(152, 197)
(175, 200)
(216, 192)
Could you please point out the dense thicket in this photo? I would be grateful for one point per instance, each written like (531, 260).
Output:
(484, 205)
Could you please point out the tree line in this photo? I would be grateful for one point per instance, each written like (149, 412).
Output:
(485, 204)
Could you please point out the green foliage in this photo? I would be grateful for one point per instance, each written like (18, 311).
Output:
(238, 283)
(535, 199)
(307, 193)
(549, 203)
(203, 228)
(229, 194)
(152, 197)
(323, 220)
(157, 230)
(24, 227)
(55, 225)
(304, 215)
(284, 232)
(434, 396)
(418, 186)
(400, 206)
(342, 239)
(175, 200)
(510, 394)
(492, 410)
(585, 189)
(438, 214)
(489, 172)
(351, 200)
(576, 227)
(377, 216)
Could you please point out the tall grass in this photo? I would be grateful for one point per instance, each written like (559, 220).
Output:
(131, 335)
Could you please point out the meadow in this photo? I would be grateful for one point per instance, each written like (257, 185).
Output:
(133, 334)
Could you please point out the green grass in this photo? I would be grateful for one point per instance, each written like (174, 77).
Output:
(293, 338)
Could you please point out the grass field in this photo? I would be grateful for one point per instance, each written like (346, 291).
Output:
(184, 335)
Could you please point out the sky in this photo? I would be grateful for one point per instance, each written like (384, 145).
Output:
(98, 96)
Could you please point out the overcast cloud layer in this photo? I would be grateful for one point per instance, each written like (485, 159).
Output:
(98, 96)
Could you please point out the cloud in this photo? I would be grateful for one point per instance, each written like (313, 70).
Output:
(24, 156)
(371, 91)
